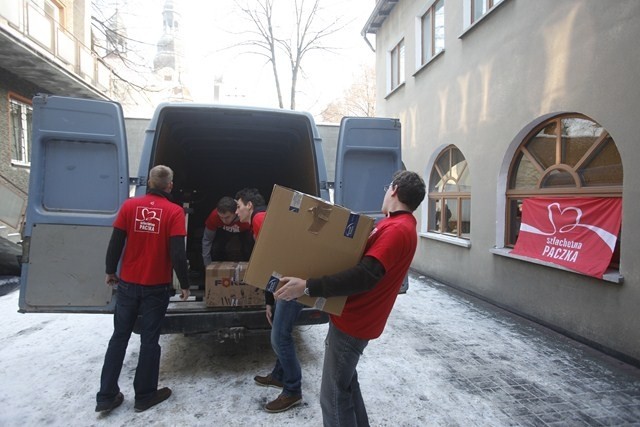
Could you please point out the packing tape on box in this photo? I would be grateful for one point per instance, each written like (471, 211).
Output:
(296, 202)
(320, 302)
(321, 213)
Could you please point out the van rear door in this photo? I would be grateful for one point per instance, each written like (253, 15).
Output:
(78, 180)
(368, 154)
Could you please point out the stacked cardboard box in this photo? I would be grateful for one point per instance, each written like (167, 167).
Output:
(224, 286)
(305, 236)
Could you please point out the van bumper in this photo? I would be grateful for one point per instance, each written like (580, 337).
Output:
(222, 322)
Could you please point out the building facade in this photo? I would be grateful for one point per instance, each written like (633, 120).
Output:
(45, 47)
(503, 101)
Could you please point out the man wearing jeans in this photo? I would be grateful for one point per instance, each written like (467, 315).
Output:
(372, 287)
(153, 229)
(286, 373)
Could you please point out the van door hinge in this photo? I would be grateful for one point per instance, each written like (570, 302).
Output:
(136, 180)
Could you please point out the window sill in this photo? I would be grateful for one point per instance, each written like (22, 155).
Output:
(482, 18)
(447, 239)
(20, 165)
(610, 275)
(431, 60)
(394, 90)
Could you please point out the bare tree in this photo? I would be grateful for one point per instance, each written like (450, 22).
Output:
(111, 42)
(309, 33)
(359, 99)
(263, 38)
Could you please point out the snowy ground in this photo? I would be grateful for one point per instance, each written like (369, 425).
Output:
(51, 365)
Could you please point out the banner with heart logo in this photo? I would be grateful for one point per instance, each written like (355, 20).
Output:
(576, 233)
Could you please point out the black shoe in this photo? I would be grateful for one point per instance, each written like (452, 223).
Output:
(110, 406)
(160, 396)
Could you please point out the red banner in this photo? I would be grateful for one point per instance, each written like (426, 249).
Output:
(577, 233)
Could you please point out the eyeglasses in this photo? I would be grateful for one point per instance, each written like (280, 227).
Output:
(387, 187)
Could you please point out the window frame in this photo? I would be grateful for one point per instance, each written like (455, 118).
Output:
(25, 130)
(426, 50)
(435, 197)
(397, 59)
(514, 195)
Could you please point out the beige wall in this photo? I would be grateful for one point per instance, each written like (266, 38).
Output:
(525, 60)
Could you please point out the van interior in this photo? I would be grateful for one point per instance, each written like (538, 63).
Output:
(216, 151)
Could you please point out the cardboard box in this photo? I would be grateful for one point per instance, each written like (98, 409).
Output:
(305, 236)
(224, 287)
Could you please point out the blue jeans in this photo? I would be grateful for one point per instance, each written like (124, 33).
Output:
(150, 302)
(287, 369)
(340, 396)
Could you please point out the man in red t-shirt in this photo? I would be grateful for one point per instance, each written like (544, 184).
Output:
(286, 373)
(251, 209)
(147, 239)
(372, 287)
(224, 235)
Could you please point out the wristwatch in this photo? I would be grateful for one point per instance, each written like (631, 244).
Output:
(306, 291)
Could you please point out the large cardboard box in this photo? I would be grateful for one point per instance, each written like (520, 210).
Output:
(224, 287)
(305, 236)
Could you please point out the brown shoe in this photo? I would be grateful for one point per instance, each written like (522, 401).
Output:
(282, 403)
(267, 381)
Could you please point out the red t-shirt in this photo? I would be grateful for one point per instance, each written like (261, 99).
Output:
(149, 222)
(214, 222)
(256, 223)
(392, 242)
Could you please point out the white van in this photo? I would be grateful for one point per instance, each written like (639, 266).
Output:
(79, 179)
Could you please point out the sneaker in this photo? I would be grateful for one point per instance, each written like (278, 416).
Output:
(267, 381)
(160, 396)
(282, 403)
(110, 406)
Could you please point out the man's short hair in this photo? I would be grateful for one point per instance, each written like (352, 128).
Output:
(250, 195)
(160, 177)
(410, 188)
(226, 205)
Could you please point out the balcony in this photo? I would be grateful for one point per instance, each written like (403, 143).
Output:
(36, 48)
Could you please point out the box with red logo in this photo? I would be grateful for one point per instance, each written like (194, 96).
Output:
(224, 286)
(305, 236)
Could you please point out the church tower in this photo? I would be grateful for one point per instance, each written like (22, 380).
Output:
(168, 62)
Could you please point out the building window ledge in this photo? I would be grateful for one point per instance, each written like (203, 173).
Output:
(426, 64)
(610, 275)
(394, 90)
(482, 18)
(20, 165)
(447, 239)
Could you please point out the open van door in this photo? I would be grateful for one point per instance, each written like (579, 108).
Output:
(368, 154)
(79, 177)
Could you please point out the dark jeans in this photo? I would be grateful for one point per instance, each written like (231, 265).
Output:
(340, 396)
(150, 302)
(287, 367)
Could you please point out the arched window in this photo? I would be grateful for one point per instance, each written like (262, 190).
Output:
(450, 195)
(568, 155)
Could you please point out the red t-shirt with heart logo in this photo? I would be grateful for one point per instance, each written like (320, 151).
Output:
(149, 222)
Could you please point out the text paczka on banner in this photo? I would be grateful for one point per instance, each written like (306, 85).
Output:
(577, 233)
